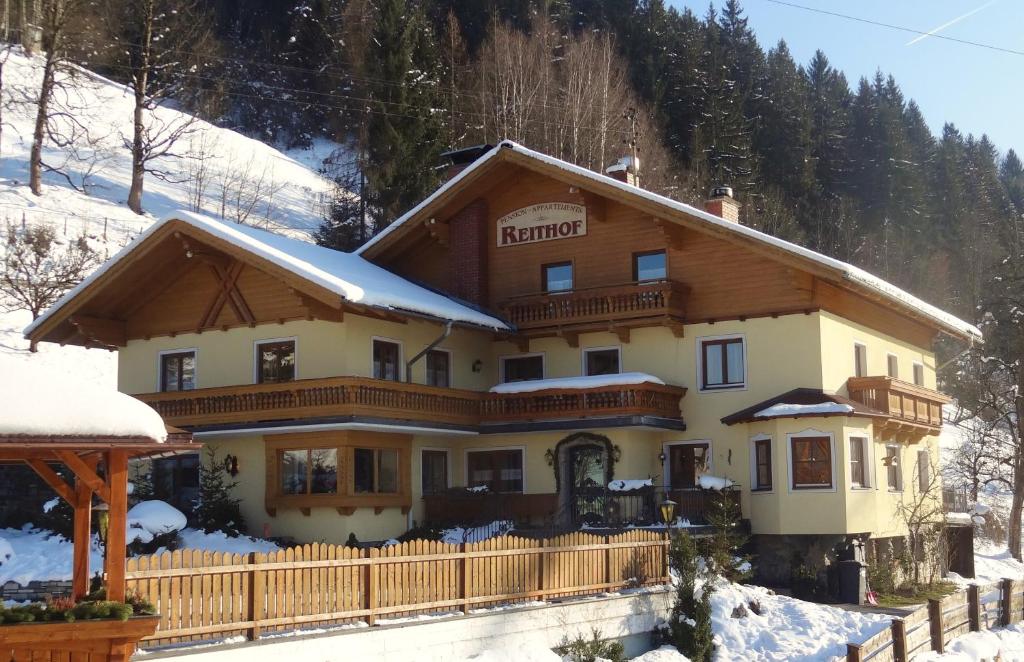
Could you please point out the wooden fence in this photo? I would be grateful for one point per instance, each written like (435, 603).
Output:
(203, 595)
(931, 627)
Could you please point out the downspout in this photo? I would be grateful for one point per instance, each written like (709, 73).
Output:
(438, 341)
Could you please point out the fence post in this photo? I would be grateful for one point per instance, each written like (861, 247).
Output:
(937, 628)
(464, 579)
(974, 607)
(371, 587)
(607, 562)
(257, 591)
(853, 653)
(1006, 598)
(899, 640)
(540, 569)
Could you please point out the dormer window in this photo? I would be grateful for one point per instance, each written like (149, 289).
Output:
(557, 277)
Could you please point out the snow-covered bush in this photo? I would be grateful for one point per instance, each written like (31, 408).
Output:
(689, 626)
(154, 525)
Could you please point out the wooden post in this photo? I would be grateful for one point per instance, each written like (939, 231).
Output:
(853, 653)
(607, 561)
(257, 596)
(937, 627)
(1006, 599)
(82, 540)
(117, 530)
(371, 587)
(974, 607)
(899, 640)
(542, 561)
(464, 578)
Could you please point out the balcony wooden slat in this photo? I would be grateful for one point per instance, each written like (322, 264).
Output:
(913, 410)
(363, 396)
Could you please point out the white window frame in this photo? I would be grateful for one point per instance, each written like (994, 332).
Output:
(667, 464)
(700, 364)
(607, 348)
(160, 365)
(754, 489)
(856, 344)
(888, 356)
(810, 432)
(899, 475)
(401, 356)
(448, 472)
(465, 462)
(451, 365)
(869, 474)
(914, 366)
(256, 355)
(503, 357)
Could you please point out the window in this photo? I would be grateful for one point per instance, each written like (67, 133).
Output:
(522, 368)
(309, 471)
(557, 277)
(812, 462)
(498, 470)
(434, 471)
(386, 359)
(860, 360)
(176, 480)
(722, 363)
(924, 471)
(604, 361)
(178, 371)
(858, 466)
(894, 477)
(375, 470)
(649, 266)
(276, 361)
(894, 366)
(762, 464)
(439, 368)
(919, 374)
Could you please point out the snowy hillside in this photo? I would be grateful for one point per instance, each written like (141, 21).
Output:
(242, 180)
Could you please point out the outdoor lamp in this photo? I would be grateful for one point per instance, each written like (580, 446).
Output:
(668, 511)
(102, 511)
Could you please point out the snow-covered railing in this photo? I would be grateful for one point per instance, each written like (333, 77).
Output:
(597, 304)
(907, 404)
(363, 396)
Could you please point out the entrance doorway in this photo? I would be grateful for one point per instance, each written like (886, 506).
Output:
(685, 464)
(584, 469)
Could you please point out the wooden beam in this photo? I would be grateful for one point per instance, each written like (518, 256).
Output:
(622, 332)
(597, 207)
(117, 530)
(86, 473)
(109, 332)
(320, 310)
(227, 293)
(82, 540)
(571, 337)
(56, 483)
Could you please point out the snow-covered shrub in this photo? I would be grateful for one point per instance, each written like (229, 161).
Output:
(689, 624)
(154, 525)
(582, 649)
(216, 509)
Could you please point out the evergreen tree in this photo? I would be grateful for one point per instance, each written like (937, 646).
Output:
(690, 622)
(216, 509)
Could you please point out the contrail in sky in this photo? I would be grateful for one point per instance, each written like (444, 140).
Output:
(949, 23)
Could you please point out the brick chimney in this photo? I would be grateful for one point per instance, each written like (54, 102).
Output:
(722, 204)
(468, 253)
(624, 170)
(460, 159)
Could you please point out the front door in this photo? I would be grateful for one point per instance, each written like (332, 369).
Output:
(685, 463)
(582, 495)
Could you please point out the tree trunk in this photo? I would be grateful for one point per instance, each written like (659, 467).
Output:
(35, 162)
(140, 83)
(1013, 536)
(138, 165)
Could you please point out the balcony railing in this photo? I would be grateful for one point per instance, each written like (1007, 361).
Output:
(908, 405)
(617, 303)
(365, 397)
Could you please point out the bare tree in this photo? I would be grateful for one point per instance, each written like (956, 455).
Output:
(39, 269)
(921, 511)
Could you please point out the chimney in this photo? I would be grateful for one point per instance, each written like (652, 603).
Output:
(625, 170)
(722, 204)
(460, 159)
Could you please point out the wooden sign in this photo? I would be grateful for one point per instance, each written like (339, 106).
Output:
(543, 222)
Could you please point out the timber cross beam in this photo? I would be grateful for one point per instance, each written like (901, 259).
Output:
(228, 293)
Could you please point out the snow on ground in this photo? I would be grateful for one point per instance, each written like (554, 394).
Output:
(992, 562)
(1004, 644)
(218, 541)
(663, 654)
(787, 629)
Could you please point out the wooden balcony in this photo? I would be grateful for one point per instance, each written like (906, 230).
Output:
(339, 397)
(617, 306)
(914, 411)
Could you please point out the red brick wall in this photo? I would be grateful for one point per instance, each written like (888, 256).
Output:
(468, 236)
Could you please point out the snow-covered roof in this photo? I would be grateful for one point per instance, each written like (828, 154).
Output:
(802, 402)
(786, 409)
(848, 271)
(590, 381)
(41, 403)
(353, 278)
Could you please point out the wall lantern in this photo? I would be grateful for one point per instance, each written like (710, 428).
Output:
(549, 455)
(661, 457)
(231, 464)
(102, 511)
(668, 511)
(478, 365)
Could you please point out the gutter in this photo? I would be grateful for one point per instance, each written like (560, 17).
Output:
(408, 364)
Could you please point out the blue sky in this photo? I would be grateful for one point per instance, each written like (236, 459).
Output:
(978, 89)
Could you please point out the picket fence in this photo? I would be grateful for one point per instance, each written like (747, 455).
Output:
(202, 595)
(930, 627)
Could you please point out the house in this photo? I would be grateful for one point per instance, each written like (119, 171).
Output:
(535, 331)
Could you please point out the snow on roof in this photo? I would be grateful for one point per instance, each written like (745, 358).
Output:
(353, 278)
(590, 381)
(42, 403)
(785, 409)
(850, 272)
